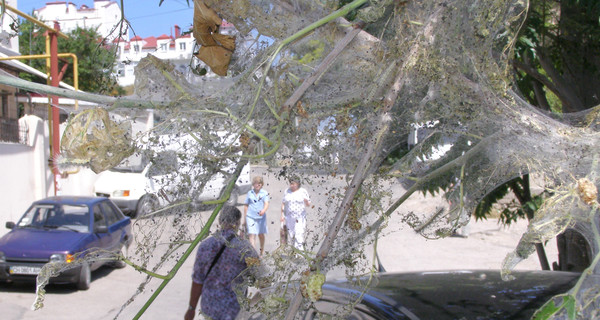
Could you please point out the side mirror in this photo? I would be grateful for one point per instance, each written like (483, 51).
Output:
(10, 225)
(101, 229)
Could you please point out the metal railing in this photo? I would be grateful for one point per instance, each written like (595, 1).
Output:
(10, 131)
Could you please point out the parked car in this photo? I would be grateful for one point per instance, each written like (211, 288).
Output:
(140, 186)
(54, 230)
(439, 295)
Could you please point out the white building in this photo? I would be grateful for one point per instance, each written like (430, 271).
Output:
(9, 38)
(177, 49)
(105, 15)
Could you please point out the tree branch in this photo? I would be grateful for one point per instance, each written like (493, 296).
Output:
(119, 102)
(564, 90)
(323, 66)
(536, 75)
(369, 160)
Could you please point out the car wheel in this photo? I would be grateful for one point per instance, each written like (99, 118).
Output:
(119, 264)
(576, 248)
(85, 277)
(145, 206)
(233, 198)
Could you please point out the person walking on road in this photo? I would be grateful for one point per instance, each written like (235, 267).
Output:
(254, 219)
(219, 262)
(293, 213)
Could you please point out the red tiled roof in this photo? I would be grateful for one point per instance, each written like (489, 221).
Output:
(119, 39)
(149, 43)
(163, 37)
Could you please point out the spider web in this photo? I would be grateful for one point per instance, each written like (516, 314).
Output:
(445, 62)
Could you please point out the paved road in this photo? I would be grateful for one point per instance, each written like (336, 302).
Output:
(400, 250)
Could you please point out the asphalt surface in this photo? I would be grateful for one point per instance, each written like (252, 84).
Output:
(400, 249)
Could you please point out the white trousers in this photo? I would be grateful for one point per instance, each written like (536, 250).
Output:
(296, 227)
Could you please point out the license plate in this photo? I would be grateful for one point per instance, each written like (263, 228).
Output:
(24, 270)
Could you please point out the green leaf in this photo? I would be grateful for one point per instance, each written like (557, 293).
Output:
(527, 42)
(550, 309)
(569, 303)
(546, 311)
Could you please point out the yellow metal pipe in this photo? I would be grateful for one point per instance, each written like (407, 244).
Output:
(49, 82)
(37, 56)
(47, 56)
(60, 55)
(34, 20)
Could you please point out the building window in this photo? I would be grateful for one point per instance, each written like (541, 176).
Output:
(20, 110)
(4, 106)
(163, 47)
(182, 46)
(136, 48)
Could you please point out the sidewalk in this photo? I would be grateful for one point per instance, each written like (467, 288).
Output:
(485, 248)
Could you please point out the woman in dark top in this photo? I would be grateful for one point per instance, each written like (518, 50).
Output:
(219, 261)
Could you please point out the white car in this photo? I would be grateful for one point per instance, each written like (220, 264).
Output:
(138, 186)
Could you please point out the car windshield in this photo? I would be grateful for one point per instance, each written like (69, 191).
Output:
(60, 217)
(134, 163)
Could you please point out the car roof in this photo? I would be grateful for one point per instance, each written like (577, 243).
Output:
(72, 200)
(472, 294)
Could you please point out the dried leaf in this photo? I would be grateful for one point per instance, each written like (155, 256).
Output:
(300, 110)
(587, 191)
(206, 21)
(204, 12)
(215, 48)
(217, 58)
(228, 42)
(203, 34)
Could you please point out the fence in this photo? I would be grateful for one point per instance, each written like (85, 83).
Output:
(11, 132)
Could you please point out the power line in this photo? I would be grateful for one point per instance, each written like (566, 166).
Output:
(160, 14)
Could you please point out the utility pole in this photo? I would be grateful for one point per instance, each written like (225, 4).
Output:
(54, 104)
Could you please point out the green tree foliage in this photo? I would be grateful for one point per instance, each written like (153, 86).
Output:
(95, 57)
(557, 69)
(557, 64)
(557, 55)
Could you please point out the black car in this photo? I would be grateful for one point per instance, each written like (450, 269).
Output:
(439, 295)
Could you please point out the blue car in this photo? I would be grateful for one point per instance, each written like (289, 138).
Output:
(55, 229)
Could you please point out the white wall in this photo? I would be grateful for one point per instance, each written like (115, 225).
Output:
(25, 174)
(78, 182)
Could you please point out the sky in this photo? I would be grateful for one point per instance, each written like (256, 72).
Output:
(145, 16)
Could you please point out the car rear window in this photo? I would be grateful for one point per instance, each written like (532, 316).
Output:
(59, 217)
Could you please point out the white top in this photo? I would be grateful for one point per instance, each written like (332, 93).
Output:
(294, 202)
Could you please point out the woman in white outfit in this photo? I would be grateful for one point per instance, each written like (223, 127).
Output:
(293, 213)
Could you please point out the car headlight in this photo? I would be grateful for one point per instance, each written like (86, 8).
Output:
(61, 257)
(2, 257)
(121, 193)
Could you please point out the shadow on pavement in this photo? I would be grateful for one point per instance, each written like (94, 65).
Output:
(52, 288)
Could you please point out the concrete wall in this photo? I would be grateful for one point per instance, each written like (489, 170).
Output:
(24, 169)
